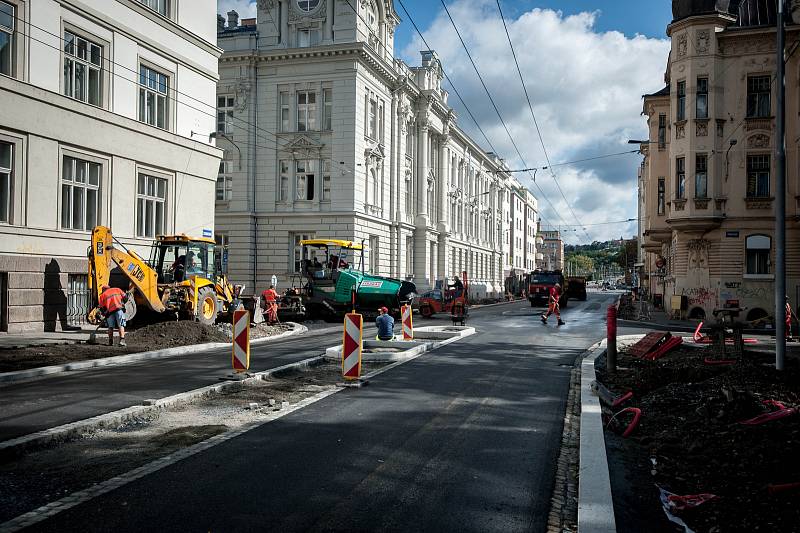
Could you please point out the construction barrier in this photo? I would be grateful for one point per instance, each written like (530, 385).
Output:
(408, 323)
(241, 340)
(351, 346)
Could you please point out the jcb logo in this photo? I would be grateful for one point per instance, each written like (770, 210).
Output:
(100, 248)
(136, 272)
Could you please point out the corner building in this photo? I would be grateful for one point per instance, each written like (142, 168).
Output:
(106, 107)
(708, 176)
(327, 134)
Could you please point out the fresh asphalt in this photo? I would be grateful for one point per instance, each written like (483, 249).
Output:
(464, 438)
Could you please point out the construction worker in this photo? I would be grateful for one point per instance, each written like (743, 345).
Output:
(112, 304)
(385, 324)
(789, 315)
(553, 306)
(457, 286)
(270, 297)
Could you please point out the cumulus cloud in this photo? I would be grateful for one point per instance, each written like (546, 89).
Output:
(245, 8)
(586, 89)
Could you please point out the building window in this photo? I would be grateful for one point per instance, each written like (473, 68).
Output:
(326, 180)
(661, 194)
(372, 117)
(6, 160)
(409, 257)
(153, 99)
(701, 104)
(297, 249)
(758, 96)
(307, 5)
(83, 61)
(80, 194)
(222, 241)
(701, 176)
(381, 127)
(304, 179)
(225, 105)
(224, 181)
(284, 113)
(680, 178)
(327, 109)
(757, 251)
(758, 176)
(681, 110)
(374, 255)
(662, 131)
(159, 6)
(306, 111)
(7, 37)
(151, 200)
(284, 185)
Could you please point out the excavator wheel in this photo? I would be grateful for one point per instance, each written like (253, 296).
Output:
(207, 306)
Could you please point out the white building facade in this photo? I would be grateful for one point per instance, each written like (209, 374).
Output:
(326, 134)
(107, 107)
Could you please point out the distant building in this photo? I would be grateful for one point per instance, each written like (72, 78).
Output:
(327, 134)
(107, 107)
(708, 175)
(552, 250)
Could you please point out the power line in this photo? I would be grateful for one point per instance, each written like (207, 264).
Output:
(595, 158)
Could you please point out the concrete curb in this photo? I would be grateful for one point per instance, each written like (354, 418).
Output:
(23, 375)
(624, 323)
(595, 502)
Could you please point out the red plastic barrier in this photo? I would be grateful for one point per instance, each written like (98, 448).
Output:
(782, 412)
(669, 345)
(782, 487)
(637, 414)
(680, 503)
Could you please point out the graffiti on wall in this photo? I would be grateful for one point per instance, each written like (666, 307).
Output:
(701, 296)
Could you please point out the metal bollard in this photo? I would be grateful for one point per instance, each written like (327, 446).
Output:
(611, 339)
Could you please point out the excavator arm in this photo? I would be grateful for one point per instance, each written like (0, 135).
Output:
(104, 257)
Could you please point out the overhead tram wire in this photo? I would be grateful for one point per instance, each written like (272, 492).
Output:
(494, 105)
(530, 106)
(463, 102)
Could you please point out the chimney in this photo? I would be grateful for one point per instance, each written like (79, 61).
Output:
(220, 23)
(233, 19)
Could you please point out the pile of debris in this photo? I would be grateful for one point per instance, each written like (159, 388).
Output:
(723, 440)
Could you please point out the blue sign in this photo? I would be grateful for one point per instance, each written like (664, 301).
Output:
(207, 233)
(732, 234)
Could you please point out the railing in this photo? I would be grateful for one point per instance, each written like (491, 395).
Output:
(78, 299)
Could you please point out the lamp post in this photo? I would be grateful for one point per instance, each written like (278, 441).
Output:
(780, 197)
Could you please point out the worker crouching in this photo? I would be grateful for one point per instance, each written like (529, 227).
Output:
(385, 324)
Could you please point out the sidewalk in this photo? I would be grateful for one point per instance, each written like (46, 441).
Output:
(43, 338)
(660, 320)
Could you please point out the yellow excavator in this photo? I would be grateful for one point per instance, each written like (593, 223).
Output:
(180, 277)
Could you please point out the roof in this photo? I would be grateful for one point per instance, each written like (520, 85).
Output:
(662, 92)
(183, 238)
(331, 242)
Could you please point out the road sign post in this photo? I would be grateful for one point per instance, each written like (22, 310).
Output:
(408, 322)
(351, 349)
(241, 341)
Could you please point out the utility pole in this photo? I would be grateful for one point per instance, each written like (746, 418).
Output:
(780, 198)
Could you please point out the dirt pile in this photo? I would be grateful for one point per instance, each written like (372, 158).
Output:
(691, 429)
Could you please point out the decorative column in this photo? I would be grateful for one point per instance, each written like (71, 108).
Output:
(328, 24)
(284, 7)
(443, 201)
(422, 170)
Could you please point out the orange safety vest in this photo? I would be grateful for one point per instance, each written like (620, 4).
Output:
(111, 299)
(269, 295)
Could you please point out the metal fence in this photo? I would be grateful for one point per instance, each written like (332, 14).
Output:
(78, 299)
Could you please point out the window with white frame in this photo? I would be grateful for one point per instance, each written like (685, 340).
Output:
(306, 111)
(410, 256)
(326, 180)
(304, 179)
(159, 6)
(380, 122)
(757, 250)
(153, 97)
(374, 254)
(224, 181)
(7, 37)
(6, 188)
(80, 193)
(284, 111)
(284, 181)
(225, 105)
(307, 5)
(296, 251)
(758, 169)
(372, 116)
(151, 201)
(83, 63)
(327, 109)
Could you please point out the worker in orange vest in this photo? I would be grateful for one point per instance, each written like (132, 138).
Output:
(112, 304)
(789, 315)
(553, 307)
(270, 297)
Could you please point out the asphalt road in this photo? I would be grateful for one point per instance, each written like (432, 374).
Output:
(461, 439)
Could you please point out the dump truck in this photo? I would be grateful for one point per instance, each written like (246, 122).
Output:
(332, 281)
(180, 277)
(576, 287)
(539, 284)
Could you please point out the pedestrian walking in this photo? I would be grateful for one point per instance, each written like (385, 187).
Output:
(270, 297)
(385, 324)
(112, 305)
(553, 307)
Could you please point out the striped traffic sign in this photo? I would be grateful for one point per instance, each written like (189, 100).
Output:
(241, 340)
(408, 323)
(351, 346)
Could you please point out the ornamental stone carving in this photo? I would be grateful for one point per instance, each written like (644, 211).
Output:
(703, 41)
(242, 93)
(680, 131)
(701, 129)
(759, 140)
(266, 4)
(683, 43)
(698, 253)
(297, 15)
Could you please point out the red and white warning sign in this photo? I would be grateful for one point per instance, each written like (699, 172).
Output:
(408, 323)
(241, 340)
(351, 346)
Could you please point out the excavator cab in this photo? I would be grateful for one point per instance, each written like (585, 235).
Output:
(178, 258)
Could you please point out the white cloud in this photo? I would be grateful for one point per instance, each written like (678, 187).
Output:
(245, 8)
(586, 89)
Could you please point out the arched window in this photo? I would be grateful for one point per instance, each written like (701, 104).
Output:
(307, 5)
(757, 248)
(372, 16)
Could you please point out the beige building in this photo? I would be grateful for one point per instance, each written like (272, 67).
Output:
(106, 109)
(327, 134)
(552, 250)
(708, 174)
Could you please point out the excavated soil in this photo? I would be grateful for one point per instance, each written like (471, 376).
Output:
(690, 441)
(147, 338)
